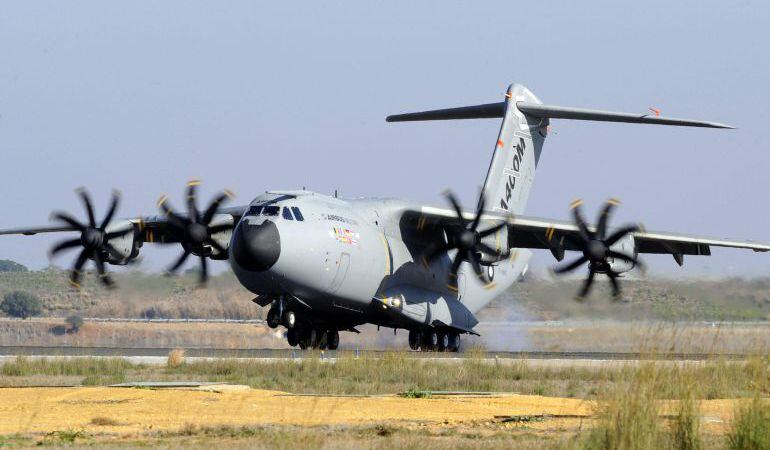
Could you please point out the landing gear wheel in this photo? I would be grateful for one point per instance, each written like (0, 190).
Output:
(291, 336)
(289, 319)
(334, 339)
(454, 343)
(414, 339)
(273, 319)
(443, 342)
(302, 338)
(429, 341)
(312, 338)
(323, 339)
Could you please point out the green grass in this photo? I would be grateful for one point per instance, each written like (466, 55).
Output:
(395, 372)
(416, 393)
(751, 426)
(97, 367)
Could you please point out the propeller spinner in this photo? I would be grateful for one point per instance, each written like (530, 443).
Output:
(595, 246)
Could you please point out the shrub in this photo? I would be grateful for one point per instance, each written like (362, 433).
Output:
(75, 322)
(21, 304)
(6, 265)
(629, 419)
(686, 432)
(175, 358)
(751, 426)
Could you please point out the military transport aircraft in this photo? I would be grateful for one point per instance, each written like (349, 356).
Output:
(323, 264)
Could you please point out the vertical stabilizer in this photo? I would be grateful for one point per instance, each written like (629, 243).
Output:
(516, 154)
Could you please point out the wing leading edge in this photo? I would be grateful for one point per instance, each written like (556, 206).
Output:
(151, 228)
(555, 235)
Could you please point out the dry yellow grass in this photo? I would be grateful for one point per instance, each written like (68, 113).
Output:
(137, 411)
(175, 358)
(42, 410)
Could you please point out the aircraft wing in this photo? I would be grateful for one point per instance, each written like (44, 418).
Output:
(557, 236)
(150, 228)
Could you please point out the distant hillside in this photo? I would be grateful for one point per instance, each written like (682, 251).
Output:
(6, 265)
(138, 295)
(153, 295)
(730, 299)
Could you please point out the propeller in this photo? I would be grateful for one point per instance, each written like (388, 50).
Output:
(195, 230)
(595, 245)
(94, 239)
(467, 241)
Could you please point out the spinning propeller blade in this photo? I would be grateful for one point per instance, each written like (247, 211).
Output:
(595, 246)
(94, 239)
(195, 230)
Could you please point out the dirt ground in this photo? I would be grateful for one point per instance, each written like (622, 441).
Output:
(130, 413)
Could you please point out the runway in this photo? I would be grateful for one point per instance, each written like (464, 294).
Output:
(286, 354)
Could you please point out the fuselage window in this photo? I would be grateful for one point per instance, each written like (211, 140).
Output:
(287, 213)
(271, 210)
(297, 213)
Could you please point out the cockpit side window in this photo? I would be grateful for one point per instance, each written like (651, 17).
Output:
(254, 210)
(271, 210)
(287, 213)
(297, 213)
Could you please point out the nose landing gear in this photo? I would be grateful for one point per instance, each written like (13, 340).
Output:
(300, 333)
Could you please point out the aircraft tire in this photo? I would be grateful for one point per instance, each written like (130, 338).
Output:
(443, 342)
(323, 339)
(291, 336)
(312, 338)
(273, 319)
(334, 339)
(302, 338)
(429, 341)
(289, 319)
(454, 343)
(414, 339)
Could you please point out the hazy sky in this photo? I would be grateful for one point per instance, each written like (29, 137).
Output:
(251, 96)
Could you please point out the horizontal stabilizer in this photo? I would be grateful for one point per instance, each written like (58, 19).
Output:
(487, 111)
(561, 112)
(493, 110)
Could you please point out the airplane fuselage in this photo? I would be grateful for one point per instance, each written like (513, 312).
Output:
(347, 262)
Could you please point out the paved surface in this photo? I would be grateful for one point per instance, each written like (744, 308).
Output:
(152, 355)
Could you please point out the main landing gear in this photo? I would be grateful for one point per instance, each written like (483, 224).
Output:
(304, 335)
(313, 337)
(430, 340)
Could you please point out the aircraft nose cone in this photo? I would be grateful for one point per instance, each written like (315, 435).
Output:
(256, 247)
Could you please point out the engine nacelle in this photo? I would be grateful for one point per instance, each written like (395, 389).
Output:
(223, 237)
(626, 246)
(127, 245)
(498, 241)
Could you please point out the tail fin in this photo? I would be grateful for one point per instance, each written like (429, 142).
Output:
(522, 133)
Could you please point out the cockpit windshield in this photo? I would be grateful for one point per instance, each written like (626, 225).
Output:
(271, 210)
(289, 213)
